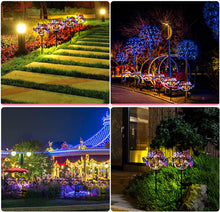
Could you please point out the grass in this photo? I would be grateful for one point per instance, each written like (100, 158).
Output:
(18, 62)
(69, 62)
(94, 55)
(92, 44)
(43, 202)
(66, 70)
(14, 94)
(49, 79)
(87, 49)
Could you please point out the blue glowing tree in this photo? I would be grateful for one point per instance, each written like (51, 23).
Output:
(121, 57)
(211, 16)
(152, 37)
(187, 50)
(134, 46)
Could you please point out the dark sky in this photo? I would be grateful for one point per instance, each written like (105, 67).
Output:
(122, 14)
(54, 124)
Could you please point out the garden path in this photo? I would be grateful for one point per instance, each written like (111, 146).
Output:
(74, 73)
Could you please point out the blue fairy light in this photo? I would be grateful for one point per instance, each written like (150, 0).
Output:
(187, 49)
(121, 57)
(211, 16)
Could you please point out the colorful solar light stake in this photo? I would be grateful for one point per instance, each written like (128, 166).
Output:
(70, 23)
(159, 79)
(80, 20)
(57, 25)
(41, 29)
(155, 160)
(170, 83)
(181, 160)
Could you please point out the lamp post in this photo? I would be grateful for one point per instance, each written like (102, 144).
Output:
(155, 160)
(169, 34)
(21, 29)
(106, 167)
(102, 12)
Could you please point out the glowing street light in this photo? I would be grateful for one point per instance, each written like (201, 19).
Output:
(21, 29)
(13, 153)
(169, 34)
(28, 154)
(102, 12)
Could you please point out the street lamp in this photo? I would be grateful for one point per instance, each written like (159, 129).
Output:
(13, 153)
(106, 167)
(169, 34)
(21, 29)
(28, 154)
(102, 12)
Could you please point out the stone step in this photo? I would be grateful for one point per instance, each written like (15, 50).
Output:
(69, 68)
(98, 36)
(49, 79)
(95, 39)
(28, 95)
(92, 43)
(96, 48)
(81, 52)
(75, 59)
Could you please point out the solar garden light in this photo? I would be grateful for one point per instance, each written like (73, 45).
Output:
(106, 168)
(170, 82)
(57, 25)
(70, 23)
(155, 160)
(80, 20)
(41, 30)
(102, 12)
(181, 160)
(21, 29)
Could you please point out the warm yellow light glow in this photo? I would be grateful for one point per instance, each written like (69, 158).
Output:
(28, 154)
(102, 11)
(106, 165)
(13, 153)
(21, 28)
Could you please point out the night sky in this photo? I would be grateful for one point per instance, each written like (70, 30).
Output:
(54, 124)
(122, 13)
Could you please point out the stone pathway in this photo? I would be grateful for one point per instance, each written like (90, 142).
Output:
(74, 73)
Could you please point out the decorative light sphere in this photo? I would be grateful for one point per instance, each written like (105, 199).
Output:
(28, 154)
(13, 153)
(80, 19)
(187, 49)
(21, 28)
(135, 45)
(70, 21)
(181, 160)
(57, 25)
(121, 57)
(151, 34)
(41, 29)
(211, 16)
(102, 11)
(106, 165)
(155, 160)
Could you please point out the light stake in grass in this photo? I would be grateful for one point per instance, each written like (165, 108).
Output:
(57, 25)
(21, 29)
(70, 23)
(181, 160)
(41, 29)
(80, 20)
(155, 160)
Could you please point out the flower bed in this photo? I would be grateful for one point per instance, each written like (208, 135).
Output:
(9, 44)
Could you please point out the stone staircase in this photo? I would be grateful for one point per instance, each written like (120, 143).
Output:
(74, 73)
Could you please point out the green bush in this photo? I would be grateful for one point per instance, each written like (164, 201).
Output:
(205, 171)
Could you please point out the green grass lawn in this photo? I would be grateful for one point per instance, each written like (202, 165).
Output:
(44, 202)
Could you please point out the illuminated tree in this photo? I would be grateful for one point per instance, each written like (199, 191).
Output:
(121, 57)
(187, 49)
(135, 46)
(39, 163)
(152, 37)
(211, 16)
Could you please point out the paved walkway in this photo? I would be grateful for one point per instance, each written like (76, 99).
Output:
(120, 201)
(134, 95)
(123, 95)
(74, 73)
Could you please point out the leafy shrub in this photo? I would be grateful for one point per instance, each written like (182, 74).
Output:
(47, 191)
(205, 171)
